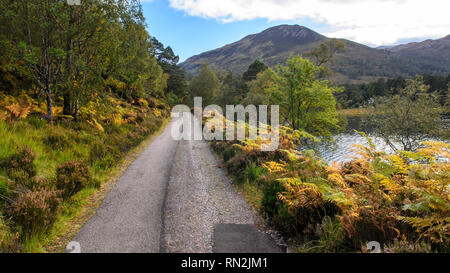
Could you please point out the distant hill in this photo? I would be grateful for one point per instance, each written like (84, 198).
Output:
(359, 63)
(431, 51)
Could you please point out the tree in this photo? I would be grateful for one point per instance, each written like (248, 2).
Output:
(70, 52)
(176, 82)
(325, 54)
(205, 85)
(306, 103)
(406, 119)
(258, 88)
(39, 45)
(253, 70)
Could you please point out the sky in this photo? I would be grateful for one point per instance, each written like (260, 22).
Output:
(191, 27)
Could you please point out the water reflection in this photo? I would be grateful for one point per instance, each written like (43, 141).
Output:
(341, 149)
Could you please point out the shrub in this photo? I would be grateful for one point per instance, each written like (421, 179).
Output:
(331, 237)
(9, 240)
(35, 211)
(401, 246)
(229, 153)
(37, 122)
(252, 172)
(275, 210)
(57, 140)
(71, 177)
(20, 164)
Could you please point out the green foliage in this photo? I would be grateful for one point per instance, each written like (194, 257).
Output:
(253, 172)
(9, 240)
(356, 95)
(55, 139)
(254, 69)
(259, 88)
(398, 120)
(71, 177)
(305, 102)
(205, 85)
(67, 52)
(325, 54)
(233, 89)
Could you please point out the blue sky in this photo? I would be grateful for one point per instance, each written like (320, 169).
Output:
(191, 27)
(190, 35)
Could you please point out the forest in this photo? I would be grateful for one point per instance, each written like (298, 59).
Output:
(80, 88)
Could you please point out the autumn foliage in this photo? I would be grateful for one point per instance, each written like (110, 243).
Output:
(400, 200)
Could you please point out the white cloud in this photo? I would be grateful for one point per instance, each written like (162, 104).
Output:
(374, 22)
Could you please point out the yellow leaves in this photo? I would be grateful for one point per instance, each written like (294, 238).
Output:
(274, 167)
(435, 149)
(398, 163)
(18, 111)
(156, 112)
(387, 183)
(143, 102)
(357, 178)
(57, 110)
(336, 179)
(298, 194)
(117, 118)
(13, 109)
(96, 125)
(390, 185)
(435, 227)
(334, 175)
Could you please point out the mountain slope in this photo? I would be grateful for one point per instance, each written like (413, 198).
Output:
(359, 63)
(437, 51)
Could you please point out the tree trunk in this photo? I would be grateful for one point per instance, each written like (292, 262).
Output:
(49, 104)
(67, 106)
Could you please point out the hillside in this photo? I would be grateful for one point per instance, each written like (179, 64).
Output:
(359, 63)
(433, 51)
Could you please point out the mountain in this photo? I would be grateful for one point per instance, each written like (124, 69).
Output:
(436, 51)
(359, 63)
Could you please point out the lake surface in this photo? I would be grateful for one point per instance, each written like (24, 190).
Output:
(341, 149)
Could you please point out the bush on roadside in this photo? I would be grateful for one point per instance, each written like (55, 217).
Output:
(35, 211)
(71, 177)
(253, 172)
(20, 164)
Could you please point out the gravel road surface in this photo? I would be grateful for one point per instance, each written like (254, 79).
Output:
(173, 198)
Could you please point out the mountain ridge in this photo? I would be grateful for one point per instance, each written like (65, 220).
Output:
(359, 63)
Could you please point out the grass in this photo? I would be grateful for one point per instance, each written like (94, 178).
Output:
(84, 204)
(354, 112)
(54, 144)
(252, 193)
